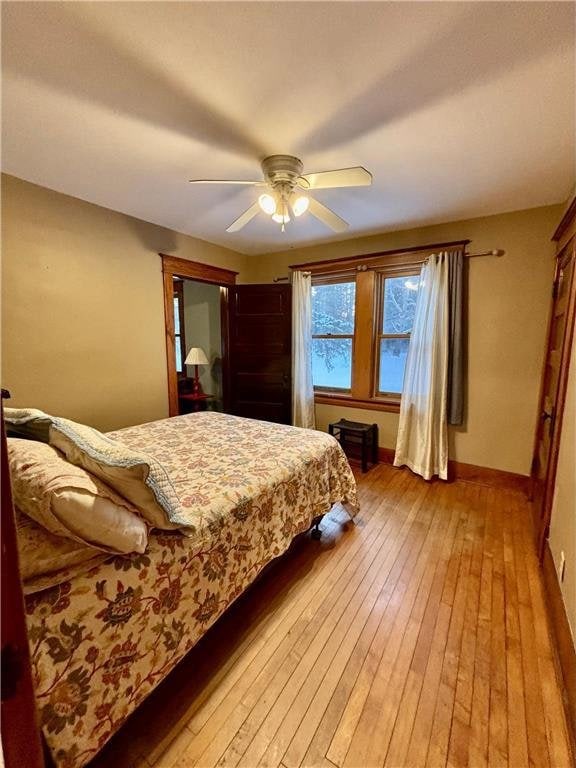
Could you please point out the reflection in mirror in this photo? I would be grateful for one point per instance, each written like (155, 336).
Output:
(197, 324)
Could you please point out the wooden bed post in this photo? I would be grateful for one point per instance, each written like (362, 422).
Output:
(21, 740)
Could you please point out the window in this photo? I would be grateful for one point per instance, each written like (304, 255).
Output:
(397, 306)
(333, 311)
(179, 340)
(363, 311)
(363, 360)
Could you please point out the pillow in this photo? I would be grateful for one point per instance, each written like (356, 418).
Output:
(68, 502)
(134, 475)
(27, 423)
(46, 559)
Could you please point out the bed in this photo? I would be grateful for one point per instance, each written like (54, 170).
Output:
(102, 636)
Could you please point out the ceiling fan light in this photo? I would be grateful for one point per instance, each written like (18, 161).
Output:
(300, 205)
(280, 218)
(268, 204)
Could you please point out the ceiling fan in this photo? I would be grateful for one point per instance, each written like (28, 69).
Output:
(286, 185)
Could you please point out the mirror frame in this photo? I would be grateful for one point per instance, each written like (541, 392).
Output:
(172, 267)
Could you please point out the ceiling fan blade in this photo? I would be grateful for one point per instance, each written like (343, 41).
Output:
(244, 218)
(326, 216)
(225, 181)
(345, 177)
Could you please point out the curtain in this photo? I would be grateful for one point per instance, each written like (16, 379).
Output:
(456, 338)
(302, 386)
(422, 442)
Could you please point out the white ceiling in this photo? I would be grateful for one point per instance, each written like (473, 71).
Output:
(458, 109)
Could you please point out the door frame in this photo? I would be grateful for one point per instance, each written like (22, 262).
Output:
(173, 266)
(565, 237)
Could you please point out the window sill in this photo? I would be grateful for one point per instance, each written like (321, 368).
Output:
(374, 404)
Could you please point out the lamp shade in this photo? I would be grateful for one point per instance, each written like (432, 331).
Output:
(196, 356)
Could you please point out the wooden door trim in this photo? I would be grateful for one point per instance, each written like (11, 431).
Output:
(536, 441)
(567, 224)
(542, 521)
(172, 267)
(560, 403)
(225, 333)
(194, 270)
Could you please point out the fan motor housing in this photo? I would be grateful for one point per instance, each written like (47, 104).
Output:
(282, 170)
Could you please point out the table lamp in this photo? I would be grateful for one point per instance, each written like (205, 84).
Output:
(196, 357)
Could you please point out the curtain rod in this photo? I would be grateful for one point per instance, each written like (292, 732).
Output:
(497, 252)
(392, 252)
(280, 279)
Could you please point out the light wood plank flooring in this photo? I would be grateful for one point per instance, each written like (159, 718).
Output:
(417, 637)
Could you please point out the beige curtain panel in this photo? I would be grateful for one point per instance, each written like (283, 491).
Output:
(422, 443)
(302, 386)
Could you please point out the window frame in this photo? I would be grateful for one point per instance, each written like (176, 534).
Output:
(367, 270)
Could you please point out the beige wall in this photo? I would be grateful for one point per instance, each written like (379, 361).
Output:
(508, 307)
(82, 306)
(563, 521)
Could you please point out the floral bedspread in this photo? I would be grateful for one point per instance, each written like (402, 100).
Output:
(103, 640)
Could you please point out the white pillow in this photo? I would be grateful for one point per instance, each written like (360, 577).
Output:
(68, 501)
(98, 519)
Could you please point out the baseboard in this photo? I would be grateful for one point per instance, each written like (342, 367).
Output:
(497, 478)
(563, 637)
(457, 470)
(386, 455)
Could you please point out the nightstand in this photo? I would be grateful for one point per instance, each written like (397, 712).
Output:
(190, 403)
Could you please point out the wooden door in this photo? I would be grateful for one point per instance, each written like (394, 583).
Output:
(553, 389)
(260, 341)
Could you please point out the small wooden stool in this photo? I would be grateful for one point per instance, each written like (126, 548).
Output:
(356, 433)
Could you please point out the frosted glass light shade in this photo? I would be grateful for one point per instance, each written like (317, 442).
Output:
(196, 356)
(300, 205)
(267, 203)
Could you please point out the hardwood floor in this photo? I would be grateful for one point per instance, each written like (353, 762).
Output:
(417, 637)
